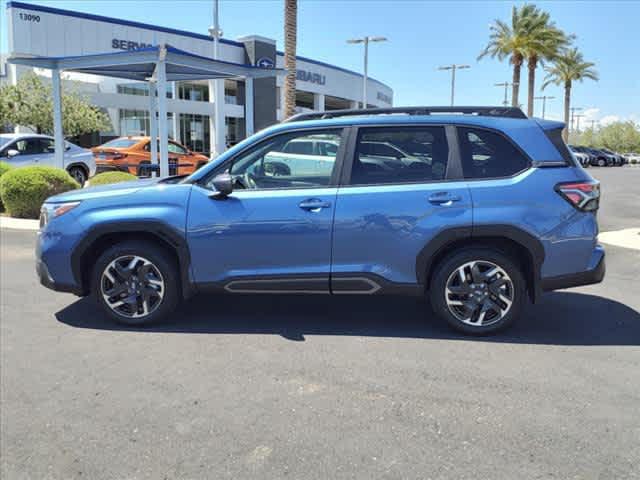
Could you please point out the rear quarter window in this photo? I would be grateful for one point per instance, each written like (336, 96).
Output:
(488, 154)
(555, 136)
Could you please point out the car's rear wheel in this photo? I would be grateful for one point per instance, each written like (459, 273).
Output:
(478, 290)
(79, 174)
(602, 162)
(136, 283)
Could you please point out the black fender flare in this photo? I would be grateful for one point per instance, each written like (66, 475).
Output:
(163, 232)
(426, 257)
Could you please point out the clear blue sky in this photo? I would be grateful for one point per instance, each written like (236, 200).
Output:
(422, 35)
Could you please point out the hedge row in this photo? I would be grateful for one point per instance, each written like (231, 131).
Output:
(24, 190)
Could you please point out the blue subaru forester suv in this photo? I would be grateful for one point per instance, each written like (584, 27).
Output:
(479, 209)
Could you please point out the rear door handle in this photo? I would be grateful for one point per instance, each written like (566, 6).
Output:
(314, 204)
(444, 198)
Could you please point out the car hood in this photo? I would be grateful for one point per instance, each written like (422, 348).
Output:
(123, 188)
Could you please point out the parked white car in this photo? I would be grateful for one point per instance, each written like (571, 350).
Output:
(28, 149)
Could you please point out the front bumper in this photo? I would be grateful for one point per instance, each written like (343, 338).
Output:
(47, 280)
(594, 274)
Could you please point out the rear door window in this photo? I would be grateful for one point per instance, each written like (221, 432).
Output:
(487, 154)
(388, 155)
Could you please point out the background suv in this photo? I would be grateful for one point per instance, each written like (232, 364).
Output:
(133, 155)
(27, 149)
(491, 210)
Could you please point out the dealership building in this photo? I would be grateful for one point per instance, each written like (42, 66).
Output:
(35, 30)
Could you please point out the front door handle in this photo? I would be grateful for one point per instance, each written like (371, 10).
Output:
(444, 198)
(314, 204)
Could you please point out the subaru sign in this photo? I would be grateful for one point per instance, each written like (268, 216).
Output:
(265, 62)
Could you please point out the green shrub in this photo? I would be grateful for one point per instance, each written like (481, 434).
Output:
(4, 168)
(24, 190)
(111, 177)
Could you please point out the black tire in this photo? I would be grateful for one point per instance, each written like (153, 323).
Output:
(155, 255)
(79, 174)
(602, 162)
(450, 265)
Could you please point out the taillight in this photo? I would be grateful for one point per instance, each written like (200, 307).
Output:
(584, 196)
(118, 156)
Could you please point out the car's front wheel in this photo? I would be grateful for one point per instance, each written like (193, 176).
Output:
(478, 290)
(78, 174)
(136, 283)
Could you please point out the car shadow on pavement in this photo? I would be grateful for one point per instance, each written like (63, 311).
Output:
(560, 318)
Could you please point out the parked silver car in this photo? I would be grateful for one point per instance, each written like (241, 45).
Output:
(28, 149)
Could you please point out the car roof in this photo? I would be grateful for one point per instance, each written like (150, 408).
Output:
(24, 135)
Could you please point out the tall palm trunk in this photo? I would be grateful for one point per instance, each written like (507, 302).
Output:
(290, 37)
(517, 63)
(567, 106)
(532, 64)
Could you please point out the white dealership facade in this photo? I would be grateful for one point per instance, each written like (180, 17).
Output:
(35, 30)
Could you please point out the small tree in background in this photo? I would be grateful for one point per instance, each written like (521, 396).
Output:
(29, 103)
(618, 136)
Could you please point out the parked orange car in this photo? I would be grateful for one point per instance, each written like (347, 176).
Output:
(133, 155)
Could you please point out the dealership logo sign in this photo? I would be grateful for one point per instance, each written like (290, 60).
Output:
(128, 44)
(265, 62)
(306, 76)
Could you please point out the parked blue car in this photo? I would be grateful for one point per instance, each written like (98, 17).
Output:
(478, 208)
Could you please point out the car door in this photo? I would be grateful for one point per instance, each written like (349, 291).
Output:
(389, 212)
(29, 152)
(273, 232)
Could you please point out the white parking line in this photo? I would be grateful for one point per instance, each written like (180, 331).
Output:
(627, 238)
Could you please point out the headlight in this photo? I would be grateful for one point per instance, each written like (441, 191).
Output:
(50, 211)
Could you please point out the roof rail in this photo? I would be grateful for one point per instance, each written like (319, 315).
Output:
(508, 112)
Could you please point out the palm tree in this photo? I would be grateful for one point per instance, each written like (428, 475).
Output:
(544, 42)
(290, 37)
(511, 41)
(566, 69)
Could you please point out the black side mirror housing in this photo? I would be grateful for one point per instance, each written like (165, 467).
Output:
(223, 183)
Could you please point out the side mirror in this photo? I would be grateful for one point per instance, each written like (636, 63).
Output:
(12, 152)
(223, 183)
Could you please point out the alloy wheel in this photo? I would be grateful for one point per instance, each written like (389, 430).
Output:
(132, 286)
(78, 175)
(479, 293)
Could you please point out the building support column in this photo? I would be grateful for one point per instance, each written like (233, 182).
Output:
(162, 114)
(318, 102)
(218, 108)
(248, 107)
(153, 125)
(176, 116)
(58, 135)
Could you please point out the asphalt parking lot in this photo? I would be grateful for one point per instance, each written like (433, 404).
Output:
(259, 387)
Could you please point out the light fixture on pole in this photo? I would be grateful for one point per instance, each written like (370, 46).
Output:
(506, 85)
(544, 99)
(366, 41)
(453, 67)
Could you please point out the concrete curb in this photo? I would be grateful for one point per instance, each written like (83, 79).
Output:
(19, 223)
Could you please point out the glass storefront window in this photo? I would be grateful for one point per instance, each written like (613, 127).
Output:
(140, 89)
(196, 92)
(136, 122)
(194, 132)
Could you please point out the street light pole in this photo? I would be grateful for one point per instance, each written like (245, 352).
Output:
(573, 111)
(366, 41)
(506, 85)
(217, 121)
(453, 67)
(544, 99)
(578, 117)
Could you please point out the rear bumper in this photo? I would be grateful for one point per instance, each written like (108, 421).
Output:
(595, 274)
(101, 168)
